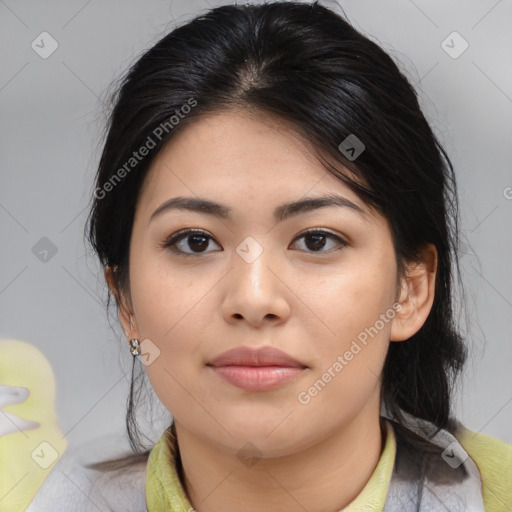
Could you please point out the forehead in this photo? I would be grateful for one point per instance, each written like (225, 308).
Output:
(239, 156)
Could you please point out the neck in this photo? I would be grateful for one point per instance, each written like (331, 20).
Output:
(324, 477)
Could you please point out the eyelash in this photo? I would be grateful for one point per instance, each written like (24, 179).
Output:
(171, 241)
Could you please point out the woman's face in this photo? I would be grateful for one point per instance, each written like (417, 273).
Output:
(326, 299)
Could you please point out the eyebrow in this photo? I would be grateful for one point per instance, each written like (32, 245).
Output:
(281, 213)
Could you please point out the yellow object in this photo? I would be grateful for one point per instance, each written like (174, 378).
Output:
(492, 456)
(494, 460)
(373, 495)
(31, 441)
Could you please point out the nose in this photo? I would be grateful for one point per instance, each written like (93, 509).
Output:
(255, 291)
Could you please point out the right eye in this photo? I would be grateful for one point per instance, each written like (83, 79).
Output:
(196, 240)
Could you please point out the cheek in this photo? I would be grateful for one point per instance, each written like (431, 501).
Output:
(348, 304)
(352, 339)
(348, 364)
(168, 304)
(171, 311)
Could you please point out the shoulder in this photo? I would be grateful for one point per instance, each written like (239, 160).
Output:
(494, 460)
(72, 485)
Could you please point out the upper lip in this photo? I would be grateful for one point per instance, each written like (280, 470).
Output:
(247, 356)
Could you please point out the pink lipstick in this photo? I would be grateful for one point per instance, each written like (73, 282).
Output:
(257, 369)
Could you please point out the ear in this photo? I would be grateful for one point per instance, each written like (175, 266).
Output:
(126, 315)
(416, 295)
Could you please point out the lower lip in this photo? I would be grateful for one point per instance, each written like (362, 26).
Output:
(257, 378)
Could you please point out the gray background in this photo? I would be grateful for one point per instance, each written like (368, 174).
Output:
(50, 134)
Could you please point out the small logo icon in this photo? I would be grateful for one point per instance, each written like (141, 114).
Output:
(44, 250)
(249, 249)
(44, 455)
(352, 147)
(454, 455)
(148, 352)
(249, 455)
(454, 45)
(44, 45)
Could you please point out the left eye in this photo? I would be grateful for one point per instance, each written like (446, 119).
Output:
(315, 240)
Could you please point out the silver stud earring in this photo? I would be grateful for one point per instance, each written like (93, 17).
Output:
(135, 347)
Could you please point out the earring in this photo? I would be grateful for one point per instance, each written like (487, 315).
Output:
(135, 347)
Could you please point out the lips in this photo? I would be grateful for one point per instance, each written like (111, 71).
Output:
(264, 356)
(260, 369)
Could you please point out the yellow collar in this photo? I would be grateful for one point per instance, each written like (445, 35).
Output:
(165, 492)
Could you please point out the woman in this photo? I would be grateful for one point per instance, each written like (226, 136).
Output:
(278, 224)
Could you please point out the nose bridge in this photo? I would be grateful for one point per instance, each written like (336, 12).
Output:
(254, 292)
(252, 259)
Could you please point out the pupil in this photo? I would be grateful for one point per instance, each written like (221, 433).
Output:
(317, 244)
(202, 244)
